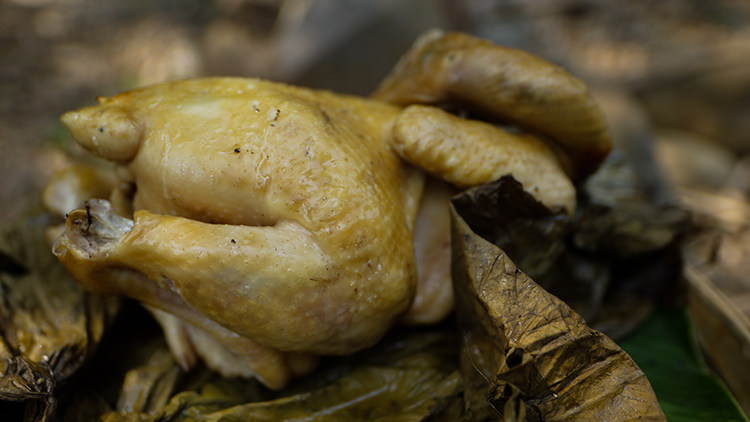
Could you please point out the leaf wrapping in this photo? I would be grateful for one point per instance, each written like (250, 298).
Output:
(528, 353)
(49, 325)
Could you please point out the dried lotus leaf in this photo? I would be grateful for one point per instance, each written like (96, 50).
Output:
(50, 326)
(410, 376)
(369, 393)
(503, 213)
(528, 354)
(610, 262)
(620, 219)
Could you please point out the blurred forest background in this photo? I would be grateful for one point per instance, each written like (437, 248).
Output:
(675, 70)
(673, 77)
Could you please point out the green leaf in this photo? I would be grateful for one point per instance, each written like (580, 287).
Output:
(666, 350)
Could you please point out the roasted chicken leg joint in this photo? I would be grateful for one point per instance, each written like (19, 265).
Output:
(265, 224)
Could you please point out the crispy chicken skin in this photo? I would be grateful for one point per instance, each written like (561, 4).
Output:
(271, 224)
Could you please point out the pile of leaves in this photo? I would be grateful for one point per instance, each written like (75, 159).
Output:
(514, 351)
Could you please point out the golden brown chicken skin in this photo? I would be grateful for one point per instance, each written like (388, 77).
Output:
(265, 208)
(266, 224)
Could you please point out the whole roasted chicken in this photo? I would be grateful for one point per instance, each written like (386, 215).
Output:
(265, 225)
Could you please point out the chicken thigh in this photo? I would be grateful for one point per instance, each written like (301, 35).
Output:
(273, 223)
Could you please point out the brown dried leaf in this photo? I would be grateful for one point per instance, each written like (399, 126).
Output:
(410, 376)
(620, 220)
(49, 325)
(528, 354)
(147, 388)
(610, 263)
(503, 213)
